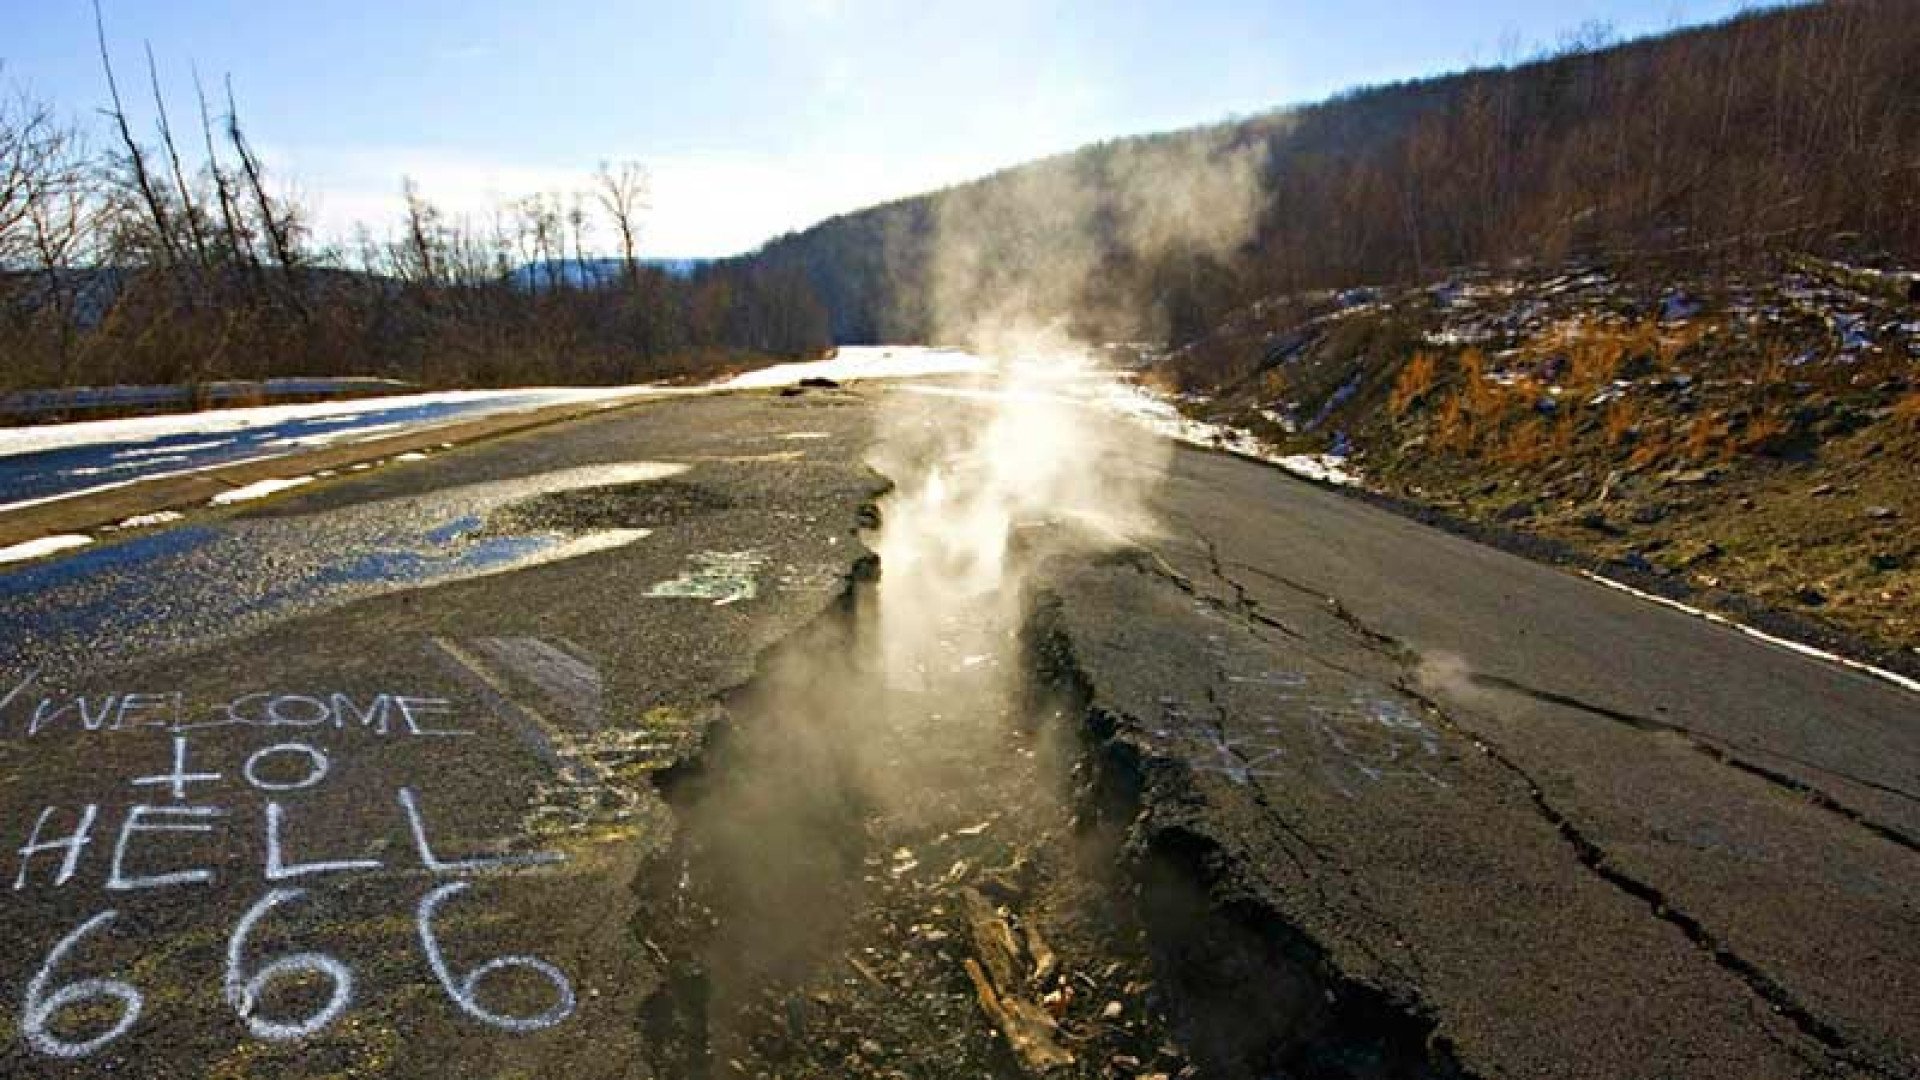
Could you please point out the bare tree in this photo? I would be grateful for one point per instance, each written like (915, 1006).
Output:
(622, 191)
(418, 256)
(279, 219)
(60, 215)
(135, 159)
(189, 210)
(239, 242)
(30, 144)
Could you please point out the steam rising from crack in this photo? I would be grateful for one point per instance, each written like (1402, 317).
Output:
(913, 722)
(1067, 238)
(1018, 264)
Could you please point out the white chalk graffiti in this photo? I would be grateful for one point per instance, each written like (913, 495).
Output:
(279, 870)
(465, 990)
(724, 577)
(244, 991)
(73, 844)
(317, 766)
(186, 819)
(119, 712)
(39, 1006)
(1345, 742)
(179, 778)
(274, 769)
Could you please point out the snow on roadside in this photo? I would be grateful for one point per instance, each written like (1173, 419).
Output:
(1104, 391)
(850, 363)
(1325, 468)
(143, 521)
(1161, 415)
(138, 429)
(1895, 678)
(45, 545)
(259, 489)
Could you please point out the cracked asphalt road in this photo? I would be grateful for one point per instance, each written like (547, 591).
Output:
(1568, 832)
(1430, 809)
(394, 828)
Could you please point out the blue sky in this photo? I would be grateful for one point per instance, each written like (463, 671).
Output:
(754, 116)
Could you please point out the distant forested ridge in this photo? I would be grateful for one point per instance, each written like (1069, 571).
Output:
(1792, 128)
(168, 254)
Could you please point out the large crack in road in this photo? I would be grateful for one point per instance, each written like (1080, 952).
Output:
(1091, 767)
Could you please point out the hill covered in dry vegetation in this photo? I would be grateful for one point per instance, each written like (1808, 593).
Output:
(1789, 129)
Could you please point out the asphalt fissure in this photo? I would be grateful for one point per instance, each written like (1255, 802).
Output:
(1250, 993)
(1595, 859)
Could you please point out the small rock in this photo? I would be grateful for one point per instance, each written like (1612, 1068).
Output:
(1882, 513)
(1113, 1011)
(1844, 421)
(871, 1048)
(1596, 521)
(1637, 366)
(1695, 554)
(1821, 491)
(1634, 560)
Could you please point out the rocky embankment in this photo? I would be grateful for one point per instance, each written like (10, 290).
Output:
(1745, 439)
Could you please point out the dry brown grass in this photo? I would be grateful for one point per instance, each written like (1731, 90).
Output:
(1761, 431)
(1708, 437)
(1416, 378)
(1906, 411)
(1453, 427)
(1527, 443)
(1482, 396)
(1621, 420)
(1566, 431)
(1597, 351)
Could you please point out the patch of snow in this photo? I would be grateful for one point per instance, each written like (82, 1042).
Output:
(123, 466)
(807, 435)
(1281, 420)
(1458, 335)
(144, 521)
(592, 476)
(1325, 468)
(366, 433)
(174, 448)
(850, 363)
(1803, 649)
(136, 429)
(411, 455)
(585, 544)
(259, 489)
(45, 545)
(22, 504)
